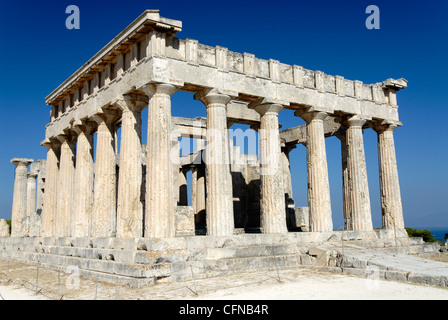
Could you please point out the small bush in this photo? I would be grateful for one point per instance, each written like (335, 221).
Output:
(425, 234)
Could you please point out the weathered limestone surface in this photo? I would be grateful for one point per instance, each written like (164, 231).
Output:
(31, 192)
(144, 66)
(184, 220)
(318, 185)
(4, 228)
(219, 205)
(392, 209)
(159, 213)
(35, 224)
(103, 219)
(83, 185)
(357, 195)
(19, 205)
(129, 206)
(66, 184)
(273, 217)
(51, 185)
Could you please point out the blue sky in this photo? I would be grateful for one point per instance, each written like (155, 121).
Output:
(39, 52)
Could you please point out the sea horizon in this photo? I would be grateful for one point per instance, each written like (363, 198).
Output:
(437, 232)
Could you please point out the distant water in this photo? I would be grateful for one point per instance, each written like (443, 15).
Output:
(438, 233)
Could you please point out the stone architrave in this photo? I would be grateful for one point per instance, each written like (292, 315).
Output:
(391, 206)
(159, 211)
(51, 187)
(219, 201)
(83, 187)
(66, 185)
(357, 184)
(272, 207)
(129, 206)
(319, 201)
(18, 215)
(103, 218)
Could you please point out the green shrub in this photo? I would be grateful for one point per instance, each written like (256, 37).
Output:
(425, 234)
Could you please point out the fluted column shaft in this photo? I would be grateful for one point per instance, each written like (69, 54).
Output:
(360, 217)
(392, 210)
(159, 211)
(65, 191)
(83, 188)
(219, 201)
(318, 184)
(51, 186)
(18, 214)
(272, 200)
(129, 206)
(103, 218)
(183, 188)
(345, 182)
(198, 193)
(30, 193)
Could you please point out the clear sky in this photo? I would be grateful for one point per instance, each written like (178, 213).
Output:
(38, 53)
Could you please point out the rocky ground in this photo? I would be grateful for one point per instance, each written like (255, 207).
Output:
(21, 281)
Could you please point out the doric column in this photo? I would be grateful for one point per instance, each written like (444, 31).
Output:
(272, 202)
(104, 215)
(219, 202)
(30, 193)
(198, 193)
(51, 186)
(345, 184)
(159, 210)
(318, 185)
(83, 187)
(392, 210)
(40, 186)
(357, 188)
(287, 170)
(18, 215)
(129, 206)
(66, 179)
(182, 188)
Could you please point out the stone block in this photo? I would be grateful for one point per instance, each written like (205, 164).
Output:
(35, 224)
(301, 218)
(184, 216)
(4, 228)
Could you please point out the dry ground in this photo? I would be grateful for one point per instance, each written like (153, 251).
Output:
(21, 281)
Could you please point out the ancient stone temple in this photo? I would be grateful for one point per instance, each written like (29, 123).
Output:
(118, 190)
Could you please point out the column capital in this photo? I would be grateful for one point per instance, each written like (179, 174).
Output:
(309, 116)
(214, 97)
(263, 107)
(131, 101)
(84, 126)
(22, 162)
(106, 115)
(31, 175)
(151, 89)
(382, 126)
(354, 121)
(50, 143)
